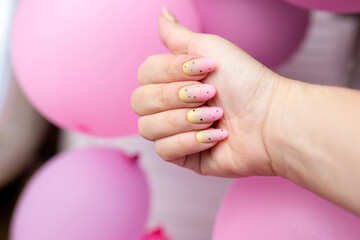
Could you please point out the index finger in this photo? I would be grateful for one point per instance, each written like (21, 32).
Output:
(166, 68)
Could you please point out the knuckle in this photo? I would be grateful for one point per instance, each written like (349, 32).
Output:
(150, 59)
(181, 142)
(140, 75)
(213, 36)
(162, 93)
(170, 121)
(160, 151)
(144, 130)
(142, 70)
(141, 127)
(134, 101)
(194, 39)
(171, 73)
(209, 37)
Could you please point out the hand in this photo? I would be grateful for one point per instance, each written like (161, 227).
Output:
(306, 133)
(244, 92)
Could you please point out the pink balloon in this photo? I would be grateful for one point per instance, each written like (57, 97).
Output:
(92, 194)
(269, 30)
(274, 208)
(77, 60)
(338, 6)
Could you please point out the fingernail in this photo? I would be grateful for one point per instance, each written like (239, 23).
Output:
(212, 135)
(166, 12)
(197, 93)
(198, 66)
(205, 114)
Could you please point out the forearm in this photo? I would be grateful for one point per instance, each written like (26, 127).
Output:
(313, 139)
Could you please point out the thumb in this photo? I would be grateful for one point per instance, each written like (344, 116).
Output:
(175, 36)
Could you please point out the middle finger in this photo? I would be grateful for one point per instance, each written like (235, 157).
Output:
(155, 98)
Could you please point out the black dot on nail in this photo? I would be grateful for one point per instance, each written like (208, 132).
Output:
(194, 110)
(200, 119)
(207, 92)
(185, 89)
(189, 96)
(193, 62)
(222, 130)
(209, 138)
(191, 69)
(200, 70)
(194, 96)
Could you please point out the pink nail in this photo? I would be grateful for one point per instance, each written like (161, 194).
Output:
(197, 93)
(212, 135)
(205, 114)
(198, 66)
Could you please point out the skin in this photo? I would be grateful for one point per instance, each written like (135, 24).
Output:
(306, 133)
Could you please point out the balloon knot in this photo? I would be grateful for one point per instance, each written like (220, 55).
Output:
(155, 234)
(134, 158)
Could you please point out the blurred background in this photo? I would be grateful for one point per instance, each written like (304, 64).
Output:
(182, 202)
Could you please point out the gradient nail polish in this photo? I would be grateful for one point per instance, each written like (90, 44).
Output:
(211, 135)
(166, 12)
(205, 114)
(198, 66)
(197, 93)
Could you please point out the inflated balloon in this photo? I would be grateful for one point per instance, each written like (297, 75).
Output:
(338, 6)
(269, 30)
(92, 194)
(77, 60)
(273, 208)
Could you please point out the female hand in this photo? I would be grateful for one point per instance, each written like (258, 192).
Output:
(241, 105)
(306, 133)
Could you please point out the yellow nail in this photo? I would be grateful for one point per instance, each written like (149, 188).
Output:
(205, 114)
(211, 135)
(166, 12)
(199, 66)
(190, 116)
(199, 137)
(182, 94)
(197, 93)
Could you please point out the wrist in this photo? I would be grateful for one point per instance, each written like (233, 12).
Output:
(279, 139)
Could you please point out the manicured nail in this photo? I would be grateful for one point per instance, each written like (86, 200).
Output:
(205, 114)
(198, 66)
(197, 93)
(166, 12)
(212, 135)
